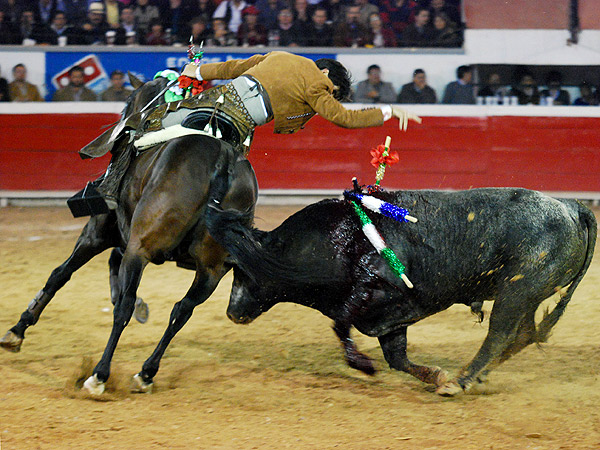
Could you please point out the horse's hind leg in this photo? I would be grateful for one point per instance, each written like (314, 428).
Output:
(210, 270)
(130, 274)
(141, 311)
(94, 239)
(394, 351)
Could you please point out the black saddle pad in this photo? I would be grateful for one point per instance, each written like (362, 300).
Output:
(198, 120)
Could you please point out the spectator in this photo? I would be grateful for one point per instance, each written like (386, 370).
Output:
(288, 34)
(197, 30)
(451, 11)
(526, 91)
(75, 10)
(302, 17)
(117, 92)
(269, 9)
(320, 33)
(231, 12)
(221, 36)
(4, 96)
(60, 28)
(494, 88)
(460, 92)
(420, 33)
(32, 32)
(93, 31)
(128, 28)
(373, 90)
(417, 92)
(204, 9)
(174, 14)
(378, 35)
(586, 98)
(251, 33)
(20, 90)
(156, 35)
(398, 14)
(351, 33)
(9, 33)
(144, 14)
(75, 91)
(558, 95)
(113, 13)
(13, 10)
(446, 33)
(44, 11)
(365, 11)
(336, 10)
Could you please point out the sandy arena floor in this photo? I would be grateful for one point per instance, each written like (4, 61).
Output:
(278, 383)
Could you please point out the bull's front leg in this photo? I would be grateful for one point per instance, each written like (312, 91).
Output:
(394, 351)
(342, 325)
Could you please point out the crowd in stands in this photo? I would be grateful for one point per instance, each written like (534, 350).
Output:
(283, 23)
(524, 91)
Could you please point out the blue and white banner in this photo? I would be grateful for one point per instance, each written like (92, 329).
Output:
(98, 66)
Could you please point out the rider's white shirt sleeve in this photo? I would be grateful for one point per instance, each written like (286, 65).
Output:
(387, 112)
(199, 77)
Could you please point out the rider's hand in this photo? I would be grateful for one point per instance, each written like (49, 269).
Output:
(404, 116)
(191, 70)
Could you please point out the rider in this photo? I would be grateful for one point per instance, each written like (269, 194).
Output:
(279, 86)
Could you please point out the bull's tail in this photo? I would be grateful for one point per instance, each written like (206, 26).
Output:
(588, 220)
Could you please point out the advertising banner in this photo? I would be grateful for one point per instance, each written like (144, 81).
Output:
(99, 65)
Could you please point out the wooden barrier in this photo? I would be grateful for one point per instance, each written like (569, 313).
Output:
(550, 149)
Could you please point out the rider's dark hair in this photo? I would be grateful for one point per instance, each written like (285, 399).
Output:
(338, 75)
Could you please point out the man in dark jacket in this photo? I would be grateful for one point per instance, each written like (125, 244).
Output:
(418, 91)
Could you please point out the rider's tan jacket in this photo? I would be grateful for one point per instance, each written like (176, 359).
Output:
(297, 89)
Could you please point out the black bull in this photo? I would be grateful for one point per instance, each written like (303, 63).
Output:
(512, 246)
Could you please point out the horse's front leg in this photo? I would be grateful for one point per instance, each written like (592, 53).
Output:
(208, 275)
(96, 236)
(130, 274)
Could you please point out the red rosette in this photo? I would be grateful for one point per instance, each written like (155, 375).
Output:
(379, 158)
(185, 81)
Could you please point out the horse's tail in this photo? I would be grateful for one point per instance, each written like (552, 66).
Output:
(589, 224)
(229, 227)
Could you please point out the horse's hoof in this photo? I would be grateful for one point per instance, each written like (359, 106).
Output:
(11, 342)
(449, 389)
(94, 386)
(440, 376)
(141, 311)
(139, 386)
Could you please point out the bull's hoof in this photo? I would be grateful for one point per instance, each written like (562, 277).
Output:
(362, 362)
(11, 342)
(141, 311)
(94, 386)
(449, 389)
(139, 386)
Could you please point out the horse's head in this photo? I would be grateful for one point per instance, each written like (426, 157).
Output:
(144, 95)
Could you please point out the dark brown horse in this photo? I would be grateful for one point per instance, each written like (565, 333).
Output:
(160, 217)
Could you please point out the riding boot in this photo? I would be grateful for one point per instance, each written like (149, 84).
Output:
(110, 182)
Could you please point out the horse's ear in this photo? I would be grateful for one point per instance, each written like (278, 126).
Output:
(135, 81)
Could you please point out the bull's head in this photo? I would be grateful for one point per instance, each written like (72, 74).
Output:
(247, 300)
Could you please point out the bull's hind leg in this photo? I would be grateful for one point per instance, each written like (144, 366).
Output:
(95, 237)
(394, 351)
(210, 269)
(502, 339)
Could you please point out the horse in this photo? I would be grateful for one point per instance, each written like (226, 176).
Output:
(160, 217)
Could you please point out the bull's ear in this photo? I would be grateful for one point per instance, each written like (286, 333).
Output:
(135, 81)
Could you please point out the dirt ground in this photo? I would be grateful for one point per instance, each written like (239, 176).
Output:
(277, 383)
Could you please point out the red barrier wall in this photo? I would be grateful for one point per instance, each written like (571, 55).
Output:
(39, 152)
